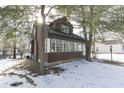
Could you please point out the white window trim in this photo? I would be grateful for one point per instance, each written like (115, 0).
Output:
(65, 29)
(65, 46)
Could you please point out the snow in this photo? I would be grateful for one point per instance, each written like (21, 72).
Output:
(77, 74)
(115, 57)
(86, 75)
(7, 63)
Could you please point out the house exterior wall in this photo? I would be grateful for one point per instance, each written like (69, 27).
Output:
(53, 57)
(64, 53)
(58, 56)
(103, 48)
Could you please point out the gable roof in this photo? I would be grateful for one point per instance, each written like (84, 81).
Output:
(53, 33)
(62, 20)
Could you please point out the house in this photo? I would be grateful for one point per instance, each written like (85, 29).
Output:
(104, 47)
(60, 42)
(105, 40)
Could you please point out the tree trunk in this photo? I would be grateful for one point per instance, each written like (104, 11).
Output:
(21, 54)
(36, 45)
(94, 51)
(42, 48)
(14, 51)
(88, 40)
(88, 51)
(89, 43)
(86, 45)
(37, 50)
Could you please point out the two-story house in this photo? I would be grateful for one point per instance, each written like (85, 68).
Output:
(60, 42)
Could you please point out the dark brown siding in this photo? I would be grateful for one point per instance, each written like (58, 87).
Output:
(53, 57)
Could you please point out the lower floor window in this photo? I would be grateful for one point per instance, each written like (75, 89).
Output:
(57, 45)
(52, 45)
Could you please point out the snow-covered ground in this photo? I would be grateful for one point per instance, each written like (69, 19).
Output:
(6, 63)
(115, 57)
(77, 74)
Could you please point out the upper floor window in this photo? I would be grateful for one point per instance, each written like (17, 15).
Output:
(64, 29)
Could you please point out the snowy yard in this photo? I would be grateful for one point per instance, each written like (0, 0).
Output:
(116, 57)
(7, 63)
(77, 74)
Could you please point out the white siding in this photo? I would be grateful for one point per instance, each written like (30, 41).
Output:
(103, 48)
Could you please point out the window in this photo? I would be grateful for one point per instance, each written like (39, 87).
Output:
(62, 46)
(47, 45)
(64, 29)
(53, 45)
(68, 46)
(80, 47)
(71, 46)
(76, 46)
(65, 48)
(73, 49)
(57, 46)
